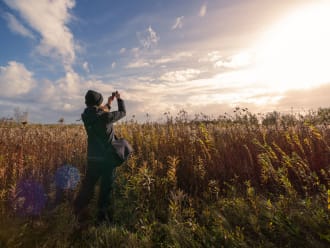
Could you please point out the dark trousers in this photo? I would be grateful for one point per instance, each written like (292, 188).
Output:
(95, 171)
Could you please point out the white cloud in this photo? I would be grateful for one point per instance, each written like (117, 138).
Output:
(15, 80)
(175, 57)
(178, 23)
(148, 38)
(138, 64)
(135, 51)
(180, 76)
(47, 91)
(235, 61)
(122, 50)
(70, 84)
(64, 95)
(185, 92)
(113, 65)
(214, 56)
(50, 19)
(181, 90)
(17, 27)
(203, 10)
(86, 66)
(306, 98)
(67, 93)
(163, 60)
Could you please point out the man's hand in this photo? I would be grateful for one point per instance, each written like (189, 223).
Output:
(110, 99)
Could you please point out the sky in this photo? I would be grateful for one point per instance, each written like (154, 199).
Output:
(163, 56)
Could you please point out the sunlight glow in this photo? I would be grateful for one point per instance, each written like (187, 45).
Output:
(295, 53)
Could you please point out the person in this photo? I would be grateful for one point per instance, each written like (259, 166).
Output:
(98, 122)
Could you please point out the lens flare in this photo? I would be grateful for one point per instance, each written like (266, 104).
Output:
(28, 198)
(67, 177)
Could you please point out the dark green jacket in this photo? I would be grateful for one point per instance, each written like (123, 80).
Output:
(99, 128)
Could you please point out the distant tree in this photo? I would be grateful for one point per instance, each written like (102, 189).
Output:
(271, 118)
(6, 120)
(61, 120)
(21, 116)
(323, 115)
(288, 120)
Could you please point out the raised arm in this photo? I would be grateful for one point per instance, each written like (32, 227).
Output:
(115, 115)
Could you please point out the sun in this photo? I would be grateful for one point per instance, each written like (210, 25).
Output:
(295, 52)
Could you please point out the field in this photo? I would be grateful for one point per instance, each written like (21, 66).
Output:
(230, 182)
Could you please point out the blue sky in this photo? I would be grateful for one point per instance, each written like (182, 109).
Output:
(163, 56)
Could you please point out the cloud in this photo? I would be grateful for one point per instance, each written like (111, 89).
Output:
(175, 57)
(122, 50)
(183, 89)
(178, 90)
(178, 23)
(235, 61)
(135, 51)
(148, 38)
(306, 99)
(174, 90)
(203, 10)
(113, 65)
(214, 56)
(15, 80)
(163, 60)
(86, 66)
(49, 19)
(214, 96)
(17, 27)
(180, 76)
(67, 93)
(61, 97)
(70, 84)
(138, 64)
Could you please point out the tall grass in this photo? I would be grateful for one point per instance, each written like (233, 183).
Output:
(230, 182)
